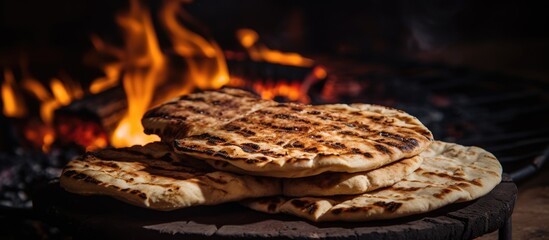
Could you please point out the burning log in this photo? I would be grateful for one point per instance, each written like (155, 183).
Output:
(88, 121)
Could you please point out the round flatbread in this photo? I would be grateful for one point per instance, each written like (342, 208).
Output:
(152, 176)
(333, 183)
(267, 138)
(449, 173)
(337, 183)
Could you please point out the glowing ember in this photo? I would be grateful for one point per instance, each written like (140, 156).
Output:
(39, 135)
(84, 133)
(320, 72)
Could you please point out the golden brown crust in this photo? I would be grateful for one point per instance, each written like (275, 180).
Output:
(290, 140)
(331, 183)
(339, 183)
(449, 173)
(180, 117)
(138, 176)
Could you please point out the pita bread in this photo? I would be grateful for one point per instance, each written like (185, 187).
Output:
(188, 115)
(146, 176)
(331, 184)
(153, 177)
(449, 173)
(291, 140)
(334, 183)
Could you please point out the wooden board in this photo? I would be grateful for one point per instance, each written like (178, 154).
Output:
(105, 218)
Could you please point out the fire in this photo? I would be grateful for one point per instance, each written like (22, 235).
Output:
(144, 65)
(39, 135)
(36, 88)
(48, 103)
(283, 89)
(62, 91)
(259, 52)
(147, 69)
(62, 94)
(206, 64)
(12, 101)
(291, 90)
(112, 74)
(150, 74)
(112, 71)
(82, 132)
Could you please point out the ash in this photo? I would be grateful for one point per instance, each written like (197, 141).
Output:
(22, 170)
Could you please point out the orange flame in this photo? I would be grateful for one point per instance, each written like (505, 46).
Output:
(293, 91)
(258, 52)
(61, 92)
(112, 74)
(36, 88)
(41, 134)
(271, 90)
(146, 66)
(112, 70)
(13, 103)
(149, 75)
(205, 61)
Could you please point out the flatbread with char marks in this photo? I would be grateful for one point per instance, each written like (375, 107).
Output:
(190, 114)
(339, 183)
(294, 140)
(449, 173)
(334, 183)
(152, 176)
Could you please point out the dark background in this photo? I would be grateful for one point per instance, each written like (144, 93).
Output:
(506, 36)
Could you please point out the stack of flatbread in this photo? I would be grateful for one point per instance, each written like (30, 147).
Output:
(337, 162)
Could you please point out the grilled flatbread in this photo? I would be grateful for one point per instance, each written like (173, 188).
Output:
(153, 177)
(266, 138)
(337, 183)
(190, 114)
(331, 183)
(449, 173)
